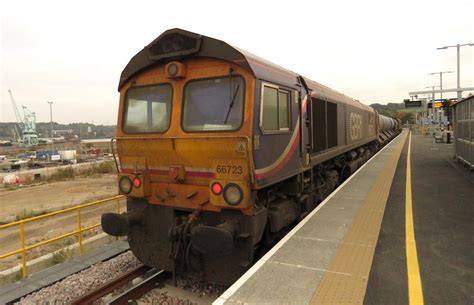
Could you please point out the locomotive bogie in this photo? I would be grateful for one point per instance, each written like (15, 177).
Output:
(225, 240)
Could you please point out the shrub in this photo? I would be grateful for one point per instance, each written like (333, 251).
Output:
(25, 214)
(97, 168)
(59, 257)
(62, 174)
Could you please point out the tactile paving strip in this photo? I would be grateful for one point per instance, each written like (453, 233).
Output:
(354, 256)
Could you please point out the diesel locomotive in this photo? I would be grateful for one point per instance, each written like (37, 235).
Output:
(220, 152)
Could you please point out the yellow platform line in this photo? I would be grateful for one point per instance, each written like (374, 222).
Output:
(415, 290)
(345, 281)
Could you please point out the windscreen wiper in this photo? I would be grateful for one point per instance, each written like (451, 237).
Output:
(231, 103)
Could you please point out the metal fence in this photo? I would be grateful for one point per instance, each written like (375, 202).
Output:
(464, 130)
(78, 232)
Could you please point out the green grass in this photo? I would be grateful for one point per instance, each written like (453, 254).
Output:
(59, 257)
(70, 173)
(67, 173)
(25, 214)
(97, 168)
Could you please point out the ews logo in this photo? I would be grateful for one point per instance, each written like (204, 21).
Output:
(355, 126)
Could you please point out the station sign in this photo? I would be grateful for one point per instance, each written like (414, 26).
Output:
(443, 103)
(412, 104)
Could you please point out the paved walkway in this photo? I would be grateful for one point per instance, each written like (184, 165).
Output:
(326, 258)
(399, 231)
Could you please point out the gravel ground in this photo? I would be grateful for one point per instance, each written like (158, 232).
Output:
(65, 291)
(200, 287)
(189, 291)
(163, 298)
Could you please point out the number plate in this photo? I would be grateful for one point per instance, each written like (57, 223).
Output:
(230, 169)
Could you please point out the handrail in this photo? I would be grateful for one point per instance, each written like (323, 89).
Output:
(60, 211)
(21, 223)
(112, 149)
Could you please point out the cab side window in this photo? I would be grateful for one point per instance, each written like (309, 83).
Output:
(275, 110)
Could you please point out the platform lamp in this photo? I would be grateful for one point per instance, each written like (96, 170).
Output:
(440, 81)
(52, 135)
(433, 93)
(458, 47)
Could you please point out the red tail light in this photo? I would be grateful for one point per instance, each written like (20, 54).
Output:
(216, 188)
(137, 182)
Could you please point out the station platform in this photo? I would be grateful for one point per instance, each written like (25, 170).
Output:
(12, 292)
(398, 231)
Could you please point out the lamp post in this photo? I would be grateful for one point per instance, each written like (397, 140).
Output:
(440, 81)
(458, 47)
(51, 121)
(428, 112)
(432, 94)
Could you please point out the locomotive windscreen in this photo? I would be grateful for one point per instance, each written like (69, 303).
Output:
(147, 108)
(213, 104)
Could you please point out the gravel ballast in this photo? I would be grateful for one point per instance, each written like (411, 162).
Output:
(78, 284)
(188, 291)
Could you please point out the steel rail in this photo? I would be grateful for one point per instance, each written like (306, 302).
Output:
(109, 286)
(140, 289)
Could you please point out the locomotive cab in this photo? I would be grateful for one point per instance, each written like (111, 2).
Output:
(183, 142)
(181, 132)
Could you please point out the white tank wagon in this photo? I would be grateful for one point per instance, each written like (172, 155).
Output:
(388, 126)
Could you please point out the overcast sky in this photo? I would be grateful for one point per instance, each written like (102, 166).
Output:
(373, 51)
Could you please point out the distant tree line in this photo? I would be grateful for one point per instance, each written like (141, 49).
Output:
(395, 110)
(81, 130)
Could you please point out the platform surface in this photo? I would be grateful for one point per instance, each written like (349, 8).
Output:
(336, 256)
(443, 212)
(49, 276)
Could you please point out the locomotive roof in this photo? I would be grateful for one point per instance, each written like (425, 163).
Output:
(175, 44)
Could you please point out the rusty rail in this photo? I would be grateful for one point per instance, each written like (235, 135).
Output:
(111, 285)
(141, 288)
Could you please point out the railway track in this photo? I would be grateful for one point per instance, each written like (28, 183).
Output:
(153, 279)
(115, 281)
(141, 288)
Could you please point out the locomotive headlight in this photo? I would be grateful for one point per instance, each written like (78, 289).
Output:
(175, 69)
(125, 185)
(233, 194)
(172, 69)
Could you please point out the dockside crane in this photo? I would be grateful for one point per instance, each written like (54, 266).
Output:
(27, 123)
